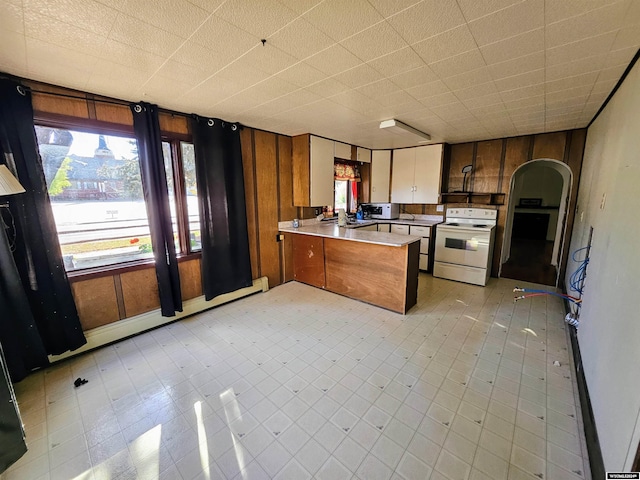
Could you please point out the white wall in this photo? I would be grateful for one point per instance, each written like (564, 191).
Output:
(609, 333)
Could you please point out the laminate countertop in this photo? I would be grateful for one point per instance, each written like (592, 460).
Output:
(353, 233)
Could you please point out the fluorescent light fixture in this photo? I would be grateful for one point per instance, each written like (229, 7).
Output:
(9, 185)
(398, 127)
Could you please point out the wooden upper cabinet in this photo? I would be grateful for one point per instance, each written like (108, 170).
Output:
(428, 173)
(416, 174)
(380, 175)
(404, 163)
(342, 150)
(363, 155)
(312, 171)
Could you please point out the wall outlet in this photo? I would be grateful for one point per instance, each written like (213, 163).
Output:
(439, 208)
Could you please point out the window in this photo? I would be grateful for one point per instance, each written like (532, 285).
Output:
(96, 196)
(340, 191)
(95, 188)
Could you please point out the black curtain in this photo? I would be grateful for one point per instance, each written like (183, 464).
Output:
(154, 186)
(37, 255)
(226, 265)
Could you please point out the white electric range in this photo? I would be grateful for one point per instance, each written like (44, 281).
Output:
(464, 245)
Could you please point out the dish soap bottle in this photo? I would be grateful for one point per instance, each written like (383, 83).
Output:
(359, 213)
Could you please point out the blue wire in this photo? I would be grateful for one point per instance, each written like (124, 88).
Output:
(577, 278)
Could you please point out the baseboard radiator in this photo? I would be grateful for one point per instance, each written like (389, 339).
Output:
(106, 334)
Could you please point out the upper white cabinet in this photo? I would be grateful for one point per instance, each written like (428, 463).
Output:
(342, 150)
(363, 155)
(313, 174)
(380, 175)
(416, 174)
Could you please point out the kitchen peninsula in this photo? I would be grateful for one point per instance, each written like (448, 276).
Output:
(375, 267)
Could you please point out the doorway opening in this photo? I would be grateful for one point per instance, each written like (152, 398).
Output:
(536, 220)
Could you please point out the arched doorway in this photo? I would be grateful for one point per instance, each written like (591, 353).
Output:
(536, 220)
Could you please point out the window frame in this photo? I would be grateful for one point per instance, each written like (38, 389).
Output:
(53, 120)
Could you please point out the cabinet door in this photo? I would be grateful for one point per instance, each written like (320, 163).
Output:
(308, 260)
(380, 175)
(343, 151)
(321, 172)
(428, 168)
(384, 227)
(401, 229)
(363, 155)
(403, 173)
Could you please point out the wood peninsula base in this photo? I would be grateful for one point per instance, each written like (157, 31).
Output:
(382, 275)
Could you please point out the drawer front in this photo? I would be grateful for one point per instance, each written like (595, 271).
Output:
(421, 231)
(424, 262)
(401, 229)
(384, 227)
(424, 245)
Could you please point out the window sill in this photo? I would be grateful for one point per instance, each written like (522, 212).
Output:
(120, 268)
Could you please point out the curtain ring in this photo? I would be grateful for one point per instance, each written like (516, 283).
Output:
(210, 122)
(21, 90)
(222, 124)
(137, 108)
(234, 127)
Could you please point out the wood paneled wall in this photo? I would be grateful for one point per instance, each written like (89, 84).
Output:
(108, 297)
(268, 183)
(495, 161)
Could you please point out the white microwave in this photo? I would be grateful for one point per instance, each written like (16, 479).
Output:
(382, 211)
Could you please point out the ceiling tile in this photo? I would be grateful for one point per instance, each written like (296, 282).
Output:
(480, 90)
(397, 98)
(300, 39)
(358, 76)
(128, 56)
(619, 57)
(203, 58)
(522, 80)
(521, 93)
(428, 89)
(301, 75)
(556, 10)
(520, 101)
(221, 36)
(474, 77)
(51, 30)
(476, 102)
(340, 19)
(435, 16)
(46, 60)
(598, 21)
(570, 82)
(128, 79)
(446, 98)
(334, 59)
(181, 72)
(138, 34)
(577, 67)
(464, 62)
(527, 63)
(269, 59)
(414, 77)
(506, 23)
(386, 8)
(473, 9)
(378, 88)
(444, 45)
(583, 48)
(11, 17)
(397, 62)
(299, 6)
(207, 5)
(374, 42)
(258, 17)
(179, 17)
(612, 72)
(91, 15)
(15, 58)
(328, 87)
(514, 47)
(627, 37)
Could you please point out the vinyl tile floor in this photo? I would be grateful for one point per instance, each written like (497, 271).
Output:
(298, 383)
